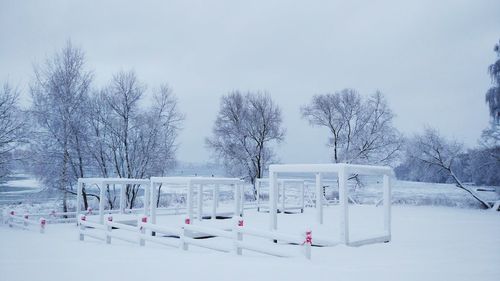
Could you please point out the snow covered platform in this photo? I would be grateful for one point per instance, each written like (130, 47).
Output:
(428, 243)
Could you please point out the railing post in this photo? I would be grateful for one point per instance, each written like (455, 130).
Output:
(257, 187)
(283, 206)
(11, 218)
(319, 198)
(303, 195)
(78, 199)
(200, 202)
(273, 201)
(308, 244)
(82, 227)
(109, 228)
(142, 230)
(43, 222)
(53, 216)
(343, 205)
(184, 244)
(215, 195)
(189, 203)
(387, 206)
(238, 236)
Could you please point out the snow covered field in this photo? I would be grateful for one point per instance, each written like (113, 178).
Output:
(429, 243)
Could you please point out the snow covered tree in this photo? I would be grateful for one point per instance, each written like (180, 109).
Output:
(493, 94)
(11, 126)
(440, 155)
(246, 127)
(361, 130)
(59, 92)
(485, 161)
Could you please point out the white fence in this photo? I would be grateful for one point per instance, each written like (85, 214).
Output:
(235, 237)
(25, 222)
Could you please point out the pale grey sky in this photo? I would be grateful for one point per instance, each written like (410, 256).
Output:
(428, 57)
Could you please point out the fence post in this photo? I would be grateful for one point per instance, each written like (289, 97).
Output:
(238, 236)
(82, 227)
(142, 231)
(25, 220)
(185, 246)
(303, 195)
(200, 202)
(11, 218)
(283, 206)
(53, 216)
(109, 228)
(308, 244)
(42, 225)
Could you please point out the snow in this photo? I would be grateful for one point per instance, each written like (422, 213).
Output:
(429, 243)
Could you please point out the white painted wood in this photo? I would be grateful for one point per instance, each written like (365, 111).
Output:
(283, 195)
(209, 230)
(302, 195)
(147, 198)
(387, 204)
(370, 240)
(153, 199)
(196, 180)
(257, 187)
(123, 197)
(200, 202)
(273, 185)
(101, 203)
(237, 198)
(113, 181)
(78, 199)
(190, 201)
(331, 168)
(319, 198)
(343, 205)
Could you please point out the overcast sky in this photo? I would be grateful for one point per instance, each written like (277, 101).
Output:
(428, 57)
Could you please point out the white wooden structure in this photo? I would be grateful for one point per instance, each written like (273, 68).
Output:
(200, 183)
(342, 171)
(283, 185)
(101, 183)
(234, 237)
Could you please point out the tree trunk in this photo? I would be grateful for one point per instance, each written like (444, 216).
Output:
(459, 184)
(85, 200)
(158, 197)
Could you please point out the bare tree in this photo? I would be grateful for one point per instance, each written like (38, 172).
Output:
(245, 129)
(440, 154)
(59, 92)
(131, 141)
(11, 126)
(361, 130)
